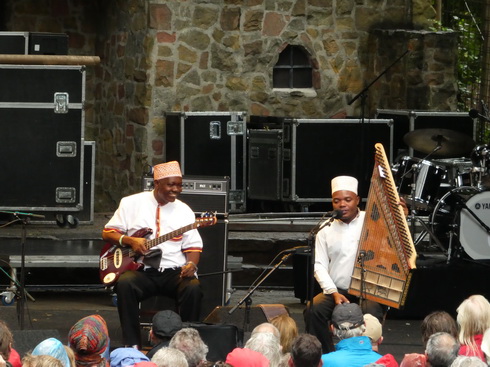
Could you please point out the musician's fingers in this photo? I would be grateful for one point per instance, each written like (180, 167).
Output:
(404, 206)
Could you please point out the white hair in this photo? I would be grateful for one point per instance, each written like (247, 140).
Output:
(169, 357)
(268, 345)
(465, 361)
(267, 327)
(189, 342)
(346, 333)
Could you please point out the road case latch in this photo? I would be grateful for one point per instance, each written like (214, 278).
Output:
(235, 128)
(61, 102)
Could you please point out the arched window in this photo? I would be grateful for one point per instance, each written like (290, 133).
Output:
(293, 69)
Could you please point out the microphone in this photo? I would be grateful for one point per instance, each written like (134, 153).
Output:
(296, 249)
(334, 214)
(475, 113)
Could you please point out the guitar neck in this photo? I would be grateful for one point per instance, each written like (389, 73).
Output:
(156, 241)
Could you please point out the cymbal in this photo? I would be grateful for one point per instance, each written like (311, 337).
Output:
(452, 143)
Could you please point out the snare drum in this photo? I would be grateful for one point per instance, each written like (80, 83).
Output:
(473, 236)
(429, 178)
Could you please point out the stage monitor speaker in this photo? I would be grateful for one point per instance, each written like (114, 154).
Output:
(26, 340)
(220, 339)
(258, 315)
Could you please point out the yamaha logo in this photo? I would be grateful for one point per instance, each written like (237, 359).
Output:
(482, 206)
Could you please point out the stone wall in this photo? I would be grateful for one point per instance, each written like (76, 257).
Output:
(218, 55)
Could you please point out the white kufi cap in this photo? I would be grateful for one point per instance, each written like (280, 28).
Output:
(347, 183)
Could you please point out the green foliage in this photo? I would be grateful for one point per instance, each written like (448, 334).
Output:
(465, 17)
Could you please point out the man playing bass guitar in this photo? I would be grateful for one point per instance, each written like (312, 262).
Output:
(167, 268)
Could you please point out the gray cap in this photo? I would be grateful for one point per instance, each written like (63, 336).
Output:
(347, 313)
(166, 323)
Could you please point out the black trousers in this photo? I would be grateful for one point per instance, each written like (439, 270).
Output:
(318, 316)
(135, 286)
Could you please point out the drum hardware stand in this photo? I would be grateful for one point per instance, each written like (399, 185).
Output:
(427, 231)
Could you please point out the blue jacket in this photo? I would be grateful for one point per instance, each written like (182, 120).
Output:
(351, 352)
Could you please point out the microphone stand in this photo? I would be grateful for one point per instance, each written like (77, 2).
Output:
(362, 290)
(363, 95)
(310, 270)
(248, 297)
(22, 292)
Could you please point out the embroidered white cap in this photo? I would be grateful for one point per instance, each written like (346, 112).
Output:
(346, 183)
(164, 170)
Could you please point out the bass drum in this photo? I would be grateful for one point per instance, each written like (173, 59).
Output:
(474, 238)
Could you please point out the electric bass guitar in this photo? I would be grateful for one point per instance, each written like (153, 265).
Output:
(115, 259)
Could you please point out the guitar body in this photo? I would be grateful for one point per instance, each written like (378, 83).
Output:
(115, 260)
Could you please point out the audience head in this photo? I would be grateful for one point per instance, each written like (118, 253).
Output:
(40, 361)
(169, 357)
(216, 364)
(441, 350)
(306, 351)
(266, 344)
(244, 357)
(473, 319)
(266, 327)
(464, 361)
(122, 357)
(6, 340)
(413, 360)
(188, 341)
(438, 321)
(54, 348)
(165, 324)
(89, 338)
(374, 330)
(288, 330)
(347, 320)
(71, 355)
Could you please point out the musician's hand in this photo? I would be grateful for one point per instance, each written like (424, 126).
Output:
(188, 270)
(339, 298)
(403, 203)
(137, 244)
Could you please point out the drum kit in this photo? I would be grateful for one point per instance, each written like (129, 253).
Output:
(448, 191)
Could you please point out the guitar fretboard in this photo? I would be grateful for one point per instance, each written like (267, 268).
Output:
(156, 241)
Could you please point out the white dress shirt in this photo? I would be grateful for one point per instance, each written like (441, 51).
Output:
(336, 252)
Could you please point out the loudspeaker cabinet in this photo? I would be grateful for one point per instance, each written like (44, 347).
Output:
(42, 137)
